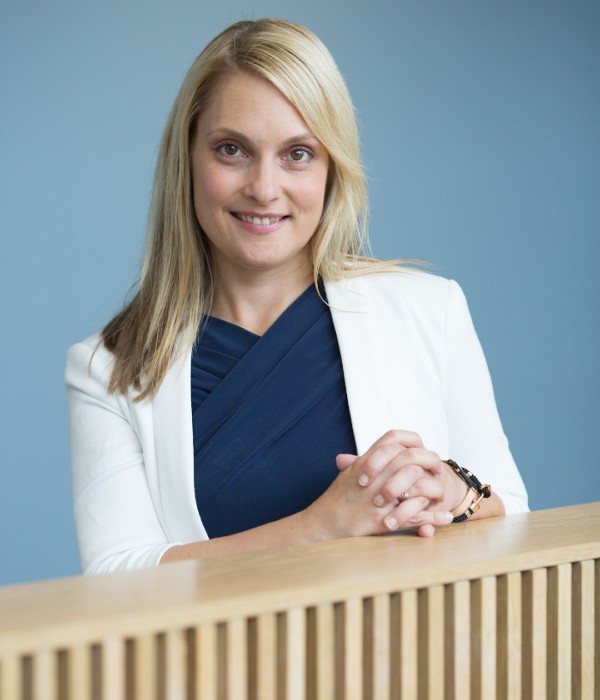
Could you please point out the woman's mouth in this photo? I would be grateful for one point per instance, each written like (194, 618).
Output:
(260, 224)
(258, 220)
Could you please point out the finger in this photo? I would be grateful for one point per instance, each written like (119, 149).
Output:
(343, 461)
(428, 486)
(406, 470)
(426, 531)
(410, 513)
(428, 520)
(406, 438)
(392, 442)
(403, 513)
(399, 486)
(375, 460)
(437, 518)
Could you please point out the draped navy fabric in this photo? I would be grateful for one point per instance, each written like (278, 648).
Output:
(270, 414)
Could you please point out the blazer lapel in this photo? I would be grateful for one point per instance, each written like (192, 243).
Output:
(351, 314)
(375, 346)
(172, 415)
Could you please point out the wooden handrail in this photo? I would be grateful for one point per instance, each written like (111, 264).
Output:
(502, 607)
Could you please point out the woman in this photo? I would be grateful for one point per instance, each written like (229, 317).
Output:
(224, 408)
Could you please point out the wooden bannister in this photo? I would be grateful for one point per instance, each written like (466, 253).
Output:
(499, 608)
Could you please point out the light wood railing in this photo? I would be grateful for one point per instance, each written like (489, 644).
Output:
(502, 608)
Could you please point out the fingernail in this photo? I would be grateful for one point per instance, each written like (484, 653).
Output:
(391, 522)
(363, 479)
(379, 500)
(448, 517)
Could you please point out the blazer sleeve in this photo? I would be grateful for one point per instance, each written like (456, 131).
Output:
(115, 517)
(476, 438)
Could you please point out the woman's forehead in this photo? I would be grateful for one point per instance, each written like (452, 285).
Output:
(249, 105)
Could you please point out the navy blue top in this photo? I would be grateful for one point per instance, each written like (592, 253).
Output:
(269, 414)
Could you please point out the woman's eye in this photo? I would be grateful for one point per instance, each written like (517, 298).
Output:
(300, 155)
(229, 149)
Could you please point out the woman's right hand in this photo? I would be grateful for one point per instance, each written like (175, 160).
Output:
(352, 505)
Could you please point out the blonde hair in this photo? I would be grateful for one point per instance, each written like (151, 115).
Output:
(176, 284)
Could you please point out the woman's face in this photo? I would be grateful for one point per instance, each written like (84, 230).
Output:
(259, 179)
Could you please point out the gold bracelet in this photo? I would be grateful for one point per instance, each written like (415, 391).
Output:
(467, 501)
(475, 492)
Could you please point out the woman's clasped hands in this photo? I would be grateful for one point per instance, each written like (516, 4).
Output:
(396, 483)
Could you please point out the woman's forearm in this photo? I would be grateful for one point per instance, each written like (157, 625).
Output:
(281, 533)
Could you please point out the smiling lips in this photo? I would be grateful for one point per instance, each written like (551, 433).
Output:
(259, 219)
(259, 224)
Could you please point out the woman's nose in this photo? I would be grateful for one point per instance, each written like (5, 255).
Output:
(264, 182)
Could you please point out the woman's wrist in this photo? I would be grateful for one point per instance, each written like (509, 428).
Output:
(459, 490)
(313, 526)
(470, 497)
(476, 492)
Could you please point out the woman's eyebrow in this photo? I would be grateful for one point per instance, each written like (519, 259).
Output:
(306, 136)
(233, 133)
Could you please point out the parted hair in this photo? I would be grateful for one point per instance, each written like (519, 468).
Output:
(176, 283)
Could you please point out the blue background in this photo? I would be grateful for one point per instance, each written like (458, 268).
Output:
(480, 132)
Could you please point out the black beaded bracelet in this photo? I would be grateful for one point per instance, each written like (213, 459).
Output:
(479, 490)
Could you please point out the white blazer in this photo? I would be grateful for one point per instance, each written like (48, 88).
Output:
(411, 360)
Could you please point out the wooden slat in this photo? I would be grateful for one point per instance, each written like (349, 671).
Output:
(431, 643)
(483, 638)
(237, 658)
(381, 646)
(353, 649)
(10, 678)
(206, 662)
(144, 667)
(175, 666)
(584, 614)
(559, 632)
(45, 676)
(295, 654)
(409, 640)
(325, 648)
(112, 652)
(509, 637)
(535, 633)
(79, 673)
(458, 641)
(266, 650)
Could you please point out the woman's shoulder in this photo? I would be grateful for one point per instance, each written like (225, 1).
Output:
(405, 285)
(90, 348)
(88, 361)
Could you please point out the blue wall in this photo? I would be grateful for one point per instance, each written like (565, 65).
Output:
(480, 132)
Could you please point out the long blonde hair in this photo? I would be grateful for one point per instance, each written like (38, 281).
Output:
(176, 284)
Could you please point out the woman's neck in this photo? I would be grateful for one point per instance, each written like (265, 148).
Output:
(255, 301)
